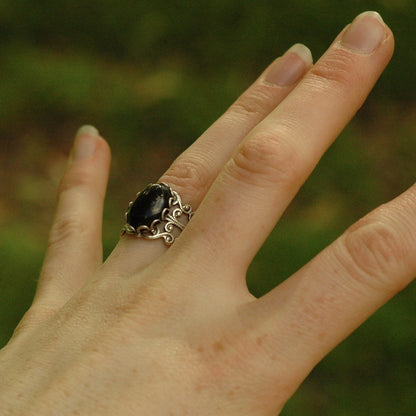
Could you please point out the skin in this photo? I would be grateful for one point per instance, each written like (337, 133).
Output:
(157, 331)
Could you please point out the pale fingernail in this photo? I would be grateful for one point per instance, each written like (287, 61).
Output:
(365, 33)
(288, 69)
(85, 143)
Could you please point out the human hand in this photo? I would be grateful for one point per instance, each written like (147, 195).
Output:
(155, 331)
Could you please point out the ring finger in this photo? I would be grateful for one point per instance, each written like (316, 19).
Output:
(193, 172)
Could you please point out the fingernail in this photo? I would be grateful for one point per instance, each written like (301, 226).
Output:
(365, 33)
(288, 69)
(85, 143)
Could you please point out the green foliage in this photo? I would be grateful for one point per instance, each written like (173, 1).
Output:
(152, 76)
(22, 258)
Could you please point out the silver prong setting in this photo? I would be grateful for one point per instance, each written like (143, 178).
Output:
(168, 225)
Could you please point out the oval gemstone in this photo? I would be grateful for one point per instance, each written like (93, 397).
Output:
(149, 205)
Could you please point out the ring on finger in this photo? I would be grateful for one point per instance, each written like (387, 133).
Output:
(157, 212)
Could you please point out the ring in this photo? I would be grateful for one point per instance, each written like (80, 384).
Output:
(157, 212)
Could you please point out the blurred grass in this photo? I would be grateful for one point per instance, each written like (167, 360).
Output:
(152, 76)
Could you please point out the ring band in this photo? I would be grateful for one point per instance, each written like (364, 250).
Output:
(157, 212)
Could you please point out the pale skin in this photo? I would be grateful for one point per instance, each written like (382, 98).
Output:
(174, 331)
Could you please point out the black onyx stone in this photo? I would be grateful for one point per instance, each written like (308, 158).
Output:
(149, 205)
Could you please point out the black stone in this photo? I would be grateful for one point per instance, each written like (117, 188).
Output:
(149, 205)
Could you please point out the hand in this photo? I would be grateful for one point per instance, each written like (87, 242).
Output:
(156, 331)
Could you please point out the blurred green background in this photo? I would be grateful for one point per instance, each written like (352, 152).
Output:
(152, 76)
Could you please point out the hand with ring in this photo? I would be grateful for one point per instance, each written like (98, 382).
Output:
(166, 325)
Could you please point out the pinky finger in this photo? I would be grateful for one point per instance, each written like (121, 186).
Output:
(75, 247)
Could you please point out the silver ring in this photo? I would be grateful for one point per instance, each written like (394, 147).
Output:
(157, 212)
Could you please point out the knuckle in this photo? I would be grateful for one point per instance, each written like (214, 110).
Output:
(336, 70)
(188, 175)
(268, 158)
(66, 228)
(73, 179)
(374, 252)
(252, 103)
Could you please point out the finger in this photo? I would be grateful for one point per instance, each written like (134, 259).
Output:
(75, 249)
(276, 157)
(193, 172)
(319, 306)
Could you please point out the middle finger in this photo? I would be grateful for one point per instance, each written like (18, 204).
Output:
(277, 156)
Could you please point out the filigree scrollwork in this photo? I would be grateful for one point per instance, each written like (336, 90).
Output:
(168, 226)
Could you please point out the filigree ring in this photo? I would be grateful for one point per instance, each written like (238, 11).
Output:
(157, 212)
